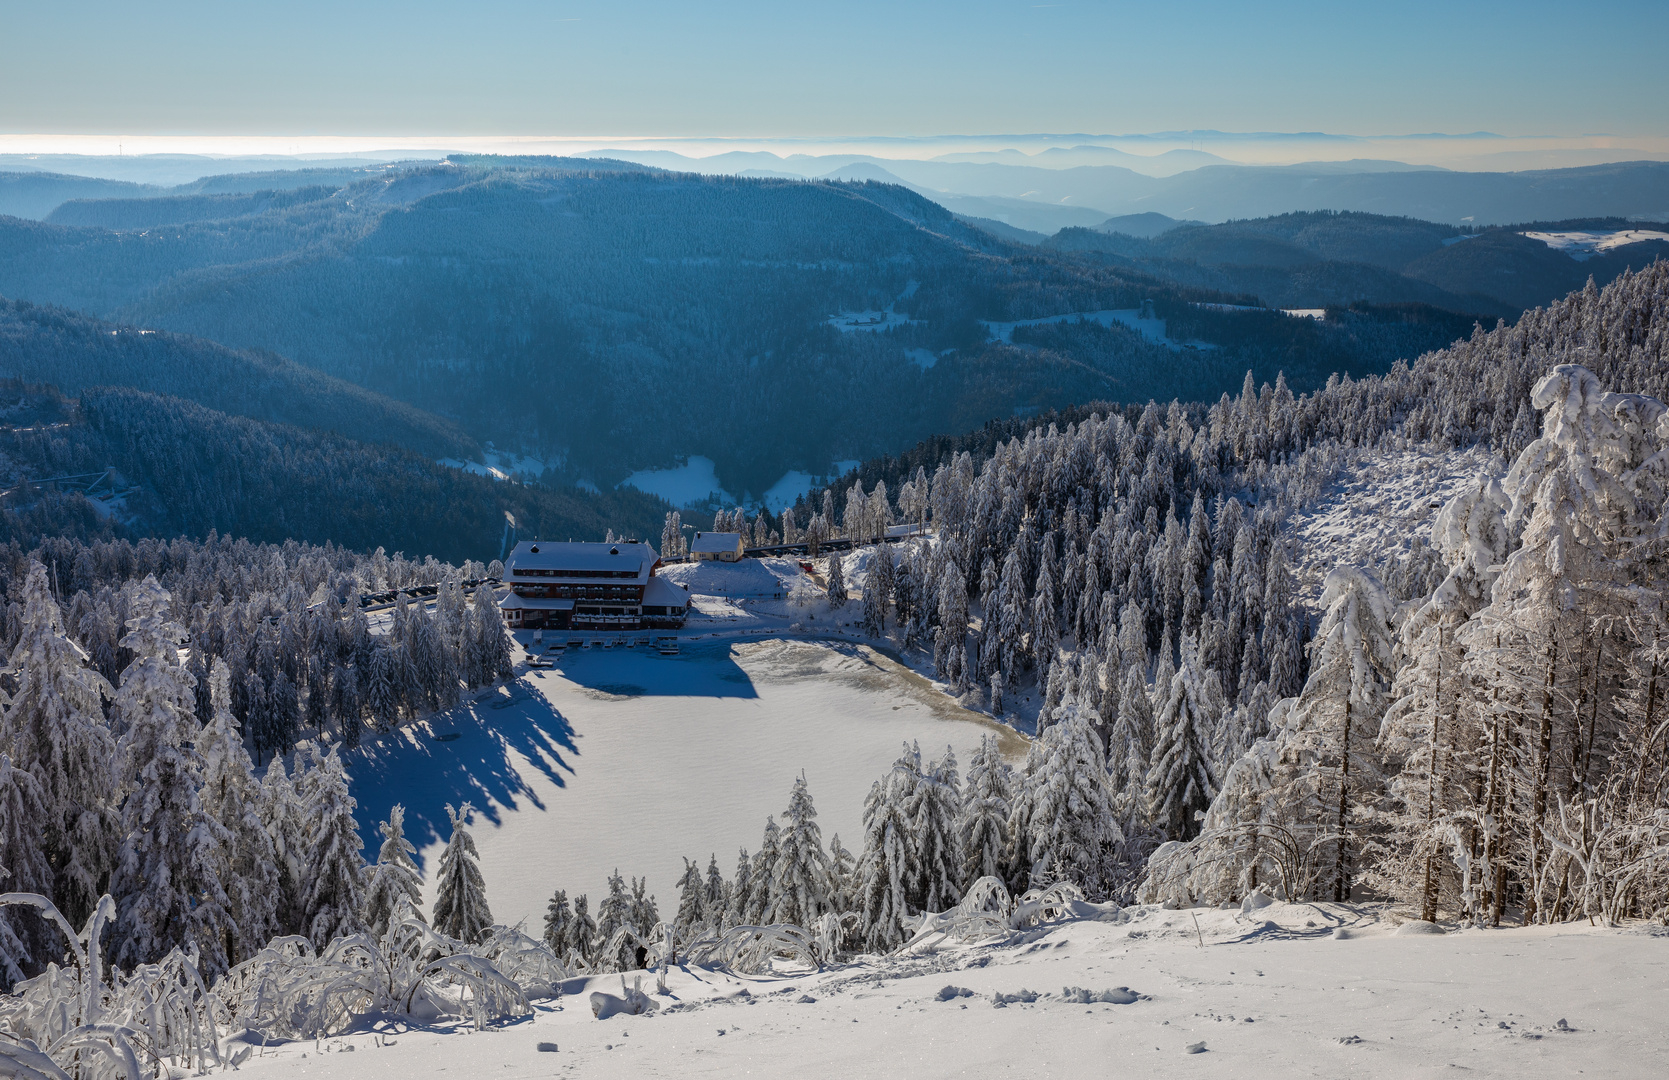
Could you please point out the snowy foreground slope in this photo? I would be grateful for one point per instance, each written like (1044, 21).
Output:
(1290, 990)
(625, 758)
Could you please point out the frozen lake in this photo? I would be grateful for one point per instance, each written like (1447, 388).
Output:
(633, 760)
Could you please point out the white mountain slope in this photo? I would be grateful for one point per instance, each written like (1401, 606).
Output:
(1271, 993)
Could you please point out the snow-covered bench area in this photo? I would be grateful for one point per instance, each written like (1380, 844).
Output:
(1280, 991)
(1376, 508)
(627, 759)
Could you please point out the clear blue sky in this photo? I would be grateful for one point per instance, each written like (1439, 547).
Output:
(576, 67)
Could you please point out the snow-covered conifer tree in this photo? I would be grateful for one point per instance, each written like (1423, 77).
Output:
(982, 826)
(950, 646)
(935, 806)
(333, 891)
(1334, 723)
(1069, 806)
(1180, 778)
(644, 915)
(382, 690)
(559, 921)
(802, 882)
(714, 898)
(842, 865)
(740, 898)
(231, 795)
(875, 598)
(887, 864)
(285, 822)
(167, 876)
(582, 932)
(22, 811)
(491, 639)
(613, 915)
(762, 875)
(692, 902)
(55, 730)
(837, 583)
(461, 909)
(394, 884)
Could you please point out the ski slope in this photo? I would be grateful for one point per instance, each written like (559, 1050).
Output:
(1289, 990)
(626, 758)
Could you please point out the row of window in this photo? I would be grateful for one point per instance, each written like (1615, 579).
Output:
(518, 571)
(581, 592)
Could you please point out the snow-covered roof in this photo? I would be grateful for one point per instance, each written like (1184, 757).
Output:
(663, 593)
(537, 603)
(712, 543)
(547, 559)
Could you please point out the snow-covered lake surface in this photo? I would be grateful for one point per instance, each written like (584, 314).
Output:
(1152, 329)
(1583, 245)
(691, 482)
(697, 478)
(626, 758)
(1269, 994)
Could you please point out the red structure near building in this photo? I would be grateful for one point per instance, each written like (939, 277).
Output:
(589, 586)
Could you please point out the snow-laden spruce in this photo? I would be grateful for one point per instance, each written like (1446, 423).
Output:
(393, 883)
(461, 909)
(173, 855)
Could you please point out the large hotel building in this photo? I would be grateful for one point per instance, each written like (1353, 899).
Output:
(588, 586)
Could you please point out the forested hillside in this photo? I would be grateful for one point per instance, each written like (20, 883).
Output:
(617, 318)
(1143, 574)
(1324, 258)
(182, 469)
(73, 352)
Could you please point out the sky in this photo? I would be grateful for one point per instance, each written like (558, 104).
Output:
(688, 68)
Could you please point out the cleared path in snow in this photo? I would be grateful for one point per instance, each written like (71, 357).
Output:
(629, 759)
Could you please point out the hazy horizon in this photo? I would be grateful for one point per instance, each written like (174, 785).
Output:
(1477, 151)
(513, 69)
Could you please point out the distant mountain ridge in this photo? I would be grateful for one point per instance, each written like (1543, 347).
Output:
(41, 344)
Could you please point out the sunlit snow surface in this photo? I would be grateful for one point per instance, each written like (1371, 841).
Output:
(682, 485)
(1374, 509)
(1271, 994)
(626, 758)
(1582, 245)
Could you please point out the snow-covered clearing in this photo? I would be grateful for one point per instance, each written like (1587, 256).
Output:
(1266, 993)
(500, 465)
(849, 321)
(1151, 329)
(626, 758)
(1584, 245)
(750, 578)
(692, 482)
(1377, 506)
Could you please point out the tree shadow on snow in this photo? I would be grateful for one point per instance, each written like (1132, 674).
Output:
(707, 670)
(464, 755)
